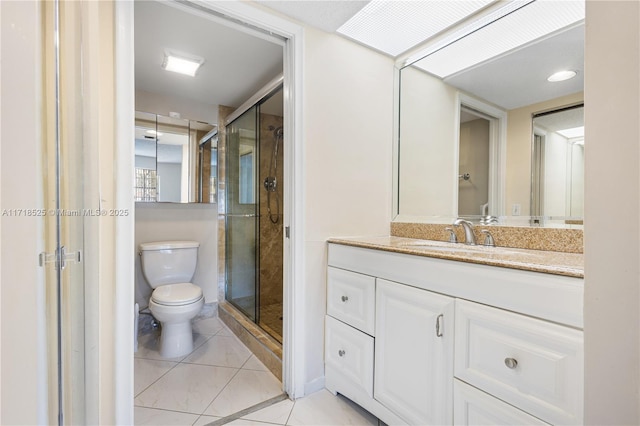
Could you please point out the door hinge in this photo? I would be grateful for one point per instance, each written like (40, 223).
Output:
(60, 257)
(287, 232)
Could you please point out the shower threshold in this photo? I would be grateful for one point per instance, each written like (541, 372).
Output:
(264, 346)
(249, 410)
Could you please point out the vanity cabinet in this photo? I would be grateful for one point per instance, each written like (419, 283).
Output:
(414, 353)
(529, 363)
(418, 340)
(411, 341)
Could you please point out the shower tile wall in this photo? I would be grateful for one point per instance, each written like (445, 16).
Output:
(271, 237)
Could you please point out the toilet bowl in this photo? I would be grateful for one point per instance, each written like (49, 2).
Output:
(168, 267)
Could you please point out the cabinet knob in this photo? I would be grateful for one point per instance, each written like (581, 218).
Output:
(345, 298)
(511, 363)
(341, 352)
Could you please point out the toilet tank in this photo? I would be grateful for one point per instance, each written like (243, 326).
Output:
(168, 262)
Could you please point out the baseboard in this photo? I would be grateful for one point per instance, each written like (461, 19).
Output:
(314, 386)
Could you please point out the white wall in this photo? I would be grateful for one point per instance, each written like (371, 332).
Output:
(348, 120)
(168, 221)
(576, 207)
(427, 154)
(21, 279)
(556, 149)
(143, 162)
(161, 104)
(170, 181)
(612, 213)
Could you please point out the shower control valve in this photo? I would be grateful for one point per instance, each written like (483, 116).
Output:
(270, 183)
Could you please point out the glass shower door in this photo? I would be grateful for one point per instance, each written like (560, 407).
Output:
(242, 213)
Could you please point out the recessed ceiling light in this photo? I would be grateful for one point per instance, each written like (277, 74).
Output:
(561, 76)
(154, 133)
(182, 63)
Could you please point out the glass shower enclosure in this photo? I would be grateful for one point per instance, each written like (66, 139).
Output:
(254, 230)
(242, 213)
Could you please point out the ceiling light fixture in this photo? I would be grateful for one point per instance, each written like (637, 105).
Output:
(561, 76)
(154, 133)
(182, 63)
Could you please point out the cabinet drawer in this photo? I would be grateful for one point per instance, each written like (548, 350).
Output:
(351, 298)
(348, 355)
(532, 364)
(474, 407)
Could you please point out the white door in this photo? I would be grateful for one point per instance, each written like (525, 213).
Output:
(414, 353)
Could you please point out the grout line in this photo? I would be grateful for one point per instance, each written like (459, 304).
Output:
(290, 412)
(167, 410)
(175, 364)
(220, 393)
(259, 406)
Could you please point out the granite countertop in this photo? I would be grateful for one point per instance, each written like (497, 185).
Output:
(550, 262)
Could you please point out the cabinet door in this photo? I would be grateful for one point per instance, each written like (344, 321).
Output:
(414, 353)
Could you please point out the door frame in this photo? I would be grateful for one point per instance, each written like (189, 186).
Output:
(293, 308)
(497, 150)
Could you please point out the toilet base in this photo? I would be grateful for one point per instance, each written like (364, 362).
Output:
(176, 339)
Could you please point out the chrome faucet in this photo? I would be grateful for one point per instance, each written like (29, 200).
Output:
(469, 235)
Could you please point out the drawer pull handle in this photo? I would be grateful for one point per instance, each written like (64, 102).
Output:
(341, 353)
(439, 325)
(511, 363)
(345, 298)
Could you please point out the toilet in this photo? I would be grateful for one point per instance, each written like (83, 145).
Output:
(168, 267)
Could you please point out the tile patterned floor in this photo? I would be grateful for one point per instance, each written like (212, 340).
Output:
(221, 377)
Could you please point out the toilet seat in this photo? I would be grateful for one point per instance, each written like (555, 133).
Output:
(176, 294)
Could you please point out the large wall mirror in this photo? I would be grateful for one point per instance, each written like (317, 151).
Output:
(175, 160)
(472, 111)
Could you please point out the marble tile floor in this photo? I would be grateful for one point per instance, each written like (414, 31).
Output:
(219, 378)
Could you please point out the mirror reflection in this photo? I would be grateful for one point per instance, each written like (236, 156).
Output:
(473, 164)
(208, 168)
(466, 129)
(167, 154)
(557, 183)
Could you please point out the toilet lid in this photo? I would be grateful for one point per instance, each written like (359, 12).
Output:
(176, 294)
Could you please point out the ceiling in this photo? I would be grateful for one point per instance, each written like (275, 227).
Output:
(239, 64)
(520, 77)
(325, 15)
(562, 120)
(509, 80)
(236, 66)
